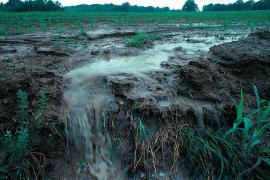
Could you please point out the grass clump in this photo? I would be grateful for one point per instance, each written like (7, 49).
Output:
(18, 160)
(141, 40)
(240, 152)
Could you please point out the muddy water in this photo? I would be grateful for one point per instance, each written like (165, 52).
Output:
(88, 92)
(146, 61)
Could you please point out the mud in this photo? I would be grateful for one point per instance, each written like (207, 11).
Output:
(187, 78)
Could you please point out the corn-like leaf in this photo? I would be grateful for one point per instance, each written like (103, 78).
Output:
(258, 100)
(240, 110)
(216, 151)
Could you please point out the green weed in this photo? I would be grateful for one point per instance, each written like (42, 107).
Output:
(44, 26)
(57, 39)
(16, 150)
(23, 106)
(4, 33)
(38, 121)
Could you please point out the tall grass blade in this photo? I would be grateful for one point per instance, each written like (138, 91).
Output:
(240, 111)
(258, 100)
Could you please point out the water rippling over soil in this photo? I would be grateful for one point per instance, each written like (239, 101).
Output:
(89, 91)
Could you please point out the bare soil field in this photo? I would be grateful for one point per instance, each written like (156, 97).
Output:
(116, 109)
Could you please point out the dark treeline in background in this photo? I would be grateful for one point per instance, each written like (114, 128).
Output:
(125, 7)
(239, 5)
(31, 5)
(190, 5)
(49, 5)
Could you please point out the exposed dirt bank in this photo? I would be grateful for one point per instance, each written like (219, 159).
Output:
(212, 81)
(200, 93)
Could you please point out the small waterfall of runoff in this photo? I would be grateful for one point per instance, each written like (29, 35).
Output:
(88, 93)
(199, 114)
(85, 124)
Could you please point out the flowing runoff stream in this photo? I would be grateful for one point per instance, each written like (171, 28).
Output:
(88, 92)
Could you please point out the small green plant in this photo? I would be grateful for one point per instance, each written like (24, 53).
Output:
(23, 106)
(57, 39)
(15, 146)
(4, 33)
(116, 23)
(39, 116)
(140, 40)
(44, 26)
(82, 30)
(16, 150)
(93, 23)
(243, 150)
(19, 29)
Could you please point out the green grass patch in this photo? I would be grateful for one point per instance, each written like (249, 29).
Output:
(240, 152)
(141, 40)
